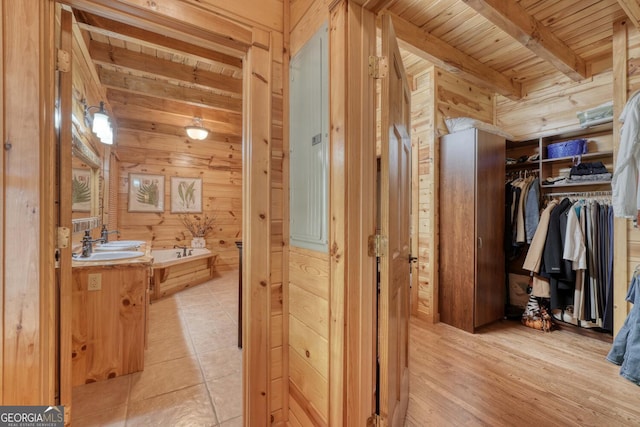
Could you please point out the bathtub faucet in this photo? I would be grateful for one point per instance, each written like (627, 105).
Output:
(104, 233)
(184, 249)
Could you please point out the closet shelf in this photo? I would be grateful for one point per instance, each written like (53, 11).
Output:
(576, 184)
(595, 155)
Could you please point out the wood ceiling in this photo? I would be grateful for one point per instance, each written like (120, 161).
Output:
(158, 84)
(155, 83)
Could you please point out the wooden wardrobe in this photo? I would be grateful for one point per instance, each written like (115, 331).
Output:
(471, 274)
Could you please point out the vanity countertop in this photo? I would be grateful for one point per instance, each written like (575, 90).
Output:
(144, 260)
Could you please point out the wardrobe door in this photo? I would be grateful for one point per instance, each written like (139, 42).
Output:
(457, 236)
(490, 282)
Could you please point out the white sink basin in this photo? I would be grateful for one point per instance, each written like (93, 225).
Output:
(119, 245)
(109, 256)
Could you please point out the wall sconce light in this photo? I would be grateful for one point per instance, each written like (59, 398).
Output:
(100, 124)
(196, 130)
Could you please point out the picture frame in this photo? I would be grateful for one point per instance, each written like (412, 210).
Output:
(186, 195)
(81, 190)
(146, 193)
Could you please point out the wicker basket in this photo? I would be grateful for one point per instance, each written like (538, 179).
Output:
(574, 147)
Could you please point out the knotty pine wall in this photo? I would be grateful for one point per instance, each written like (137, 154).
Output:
(309, 284)
(217, 162)
(436, 95)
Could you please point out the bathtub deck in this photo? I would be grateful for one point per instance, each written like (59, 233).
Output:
(172, 277)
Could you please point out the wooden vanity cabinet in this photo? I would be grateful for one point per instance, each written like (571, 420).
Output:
(471, 269)
(109, 323)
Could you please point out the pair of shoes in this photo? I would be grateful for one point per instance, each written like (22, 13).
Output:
(588, 324)
(564, 316)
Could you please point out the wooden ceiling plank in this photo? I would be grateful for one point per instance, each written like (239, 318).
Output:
(156, 116)
(515, 21)
(119, 30)
(175, 107)
(168, 129)
(176, 20)
(161, 89)
(449, 58)
(632, 9)
(104, 54)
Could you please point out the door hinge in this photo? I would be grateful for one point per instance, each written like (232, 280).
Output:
(374, 421)
(378, 67)
(63, 237)
(377, 245)
(63, 62)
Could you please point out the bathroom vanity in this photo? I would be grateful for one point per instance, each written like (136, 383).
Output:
(110, 309)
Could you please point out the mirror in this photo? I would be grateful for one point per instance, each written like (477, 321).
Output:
(86, 183)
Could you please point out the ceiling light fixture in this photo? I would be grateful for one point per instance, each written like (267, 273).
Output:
(196, 130)
(100, 124)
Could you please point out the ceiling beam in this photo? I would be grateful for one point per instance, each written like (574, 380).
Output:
(513, 19)
(104, 54)
(163, 89)
(175, 19)
(426, 46)
(110, 28)
(632, 9)
(179, 109)
(135, 112)
(376, 5)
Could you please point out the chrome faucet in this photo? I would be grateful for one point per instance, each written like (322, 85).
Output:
(87, 244)
(104, 233)
(184, 249)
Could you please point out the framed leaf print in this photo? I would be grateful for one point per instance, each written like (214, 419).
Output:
(186, 195)
(81, 190)
(146, 193)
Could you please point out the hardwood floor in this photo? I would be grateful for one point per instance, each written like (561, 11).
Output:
(510, 375)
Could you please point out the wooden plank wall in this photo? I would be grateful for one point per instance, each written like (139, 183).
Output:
(549, 107)
(422, 135)
(308, 286)
(437, 94)
(308, 336)
(217, 163)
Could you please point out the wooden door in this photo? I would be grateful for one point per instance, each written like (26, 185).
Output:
(64, 277)
(489, 301)
(395, 203)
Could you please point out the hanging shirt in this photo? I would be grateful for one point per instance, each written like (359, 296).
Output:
(574, 247)
(626, 194)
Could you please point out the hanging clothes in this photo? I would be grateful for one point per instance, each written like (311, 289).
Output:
(573, 249)
(625, 350)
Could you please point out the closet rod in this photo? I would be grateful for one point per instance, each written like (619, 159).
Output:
(606, 193)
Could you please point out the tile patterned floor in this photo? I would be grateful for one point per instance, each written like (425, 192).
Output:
(192, 374)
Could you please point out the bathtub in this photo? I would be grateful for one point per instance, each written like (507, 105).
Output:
(171, 274)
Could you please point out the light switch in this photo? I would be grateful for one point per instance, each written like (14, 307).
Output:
(95, 282)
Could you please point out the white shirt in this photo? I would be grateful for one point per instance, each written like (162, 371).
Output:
(574, 247)
(626, 192)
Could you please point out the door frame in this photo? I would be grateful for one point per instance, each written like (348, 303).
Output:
(352, 181)
(258, 51)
